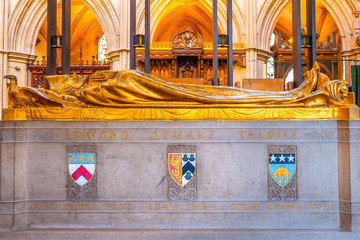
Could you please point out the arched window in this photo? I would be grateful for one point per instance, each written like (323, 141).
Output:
(290, 77)
(270, 68)
(270, 64)
(102, 49)
(273, 39)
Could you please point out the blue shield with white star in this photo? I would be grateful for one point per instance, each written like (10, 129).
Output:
(282, 167)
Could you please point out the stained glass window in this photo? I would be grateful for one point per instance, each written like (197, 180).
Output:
(270, 64)
(270, 68)
(102, 49)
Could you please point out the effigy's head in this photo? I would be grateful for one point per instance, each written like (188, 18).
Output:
(64, 84)
(338, 90)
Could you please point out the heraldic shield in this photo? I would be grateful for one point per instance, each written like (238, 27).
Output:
(181, 167)
(282, 167)
(82, 167)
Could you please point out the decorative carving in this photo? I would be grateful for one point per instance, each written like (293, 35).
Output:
(345, 207)
(74, 191)
(176, 192)
(80, 148)
(322, 134)
(7, 135)
(19, 207)
(188, 39)
(240, 61)
(38, 135)
(162, 69)
(6, 208)
(341, 135)
(20, 135)
(187, 69)
(38, 70)
(276, 192)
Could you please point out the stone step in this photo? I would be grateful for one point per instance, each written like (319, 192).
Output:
(180, 235)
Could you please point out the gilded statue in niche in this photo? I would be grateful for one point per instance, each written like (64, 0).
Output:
(109, 89)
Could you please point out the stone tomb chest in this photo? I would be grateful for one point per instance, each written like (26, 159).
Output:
(228, 176)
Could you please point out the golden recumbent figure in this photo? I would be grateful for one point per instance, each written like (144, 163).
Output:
(110, 89)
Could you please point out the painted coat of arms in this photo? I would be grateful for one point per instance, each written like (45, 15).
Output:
(82, 167)
(282, 167)
(182, 167)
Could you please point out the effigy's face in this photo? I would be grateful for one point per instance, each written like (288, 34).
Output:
(343, 91)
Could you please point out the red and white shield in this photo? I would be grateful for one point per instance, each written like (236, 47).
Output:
(82, 167)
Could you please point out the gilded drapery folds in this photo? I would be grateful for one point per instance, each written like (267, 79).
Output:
(129, 92)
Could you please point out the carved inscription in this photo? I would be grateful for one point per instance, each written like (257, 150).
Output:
(268, 135)
(185, 207)
(184, 135)
(95, 136)
(178, 135)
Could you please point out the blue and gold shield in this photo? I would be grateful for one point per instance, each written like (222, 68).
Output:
(282, 167)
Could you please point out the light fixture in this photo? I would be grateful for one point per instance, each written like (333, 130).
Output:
(223, 41)
(139, 41)
(306, 41)
(56, 41)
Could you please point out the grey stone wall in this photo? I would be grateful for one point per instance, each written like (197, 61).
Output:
(132, 181)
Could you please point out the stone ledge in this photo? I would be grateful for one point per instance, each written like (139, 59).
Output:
(179, 235)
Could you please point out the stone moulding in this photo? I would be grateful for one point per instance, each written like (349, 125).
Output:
(188, 113)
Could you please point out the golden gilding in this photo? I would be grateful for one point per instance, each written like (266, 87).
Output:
(136, 96)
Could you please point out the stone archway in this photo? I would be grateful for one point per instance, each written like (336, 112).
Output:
(28, 17)
(341, 11)
(25, 23)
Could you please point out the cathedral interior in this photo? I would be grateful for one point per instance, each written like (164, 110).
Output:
(181, 41)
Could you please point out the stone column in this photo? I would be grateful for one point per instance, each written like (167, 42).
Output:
(120, 58)
(4, 28)
(251, 44)
(255, 60)
(2, 49)
(347, 56)
(18, 66)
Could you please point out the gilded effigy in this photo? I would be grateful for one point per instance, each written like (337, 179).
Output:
(132, 95)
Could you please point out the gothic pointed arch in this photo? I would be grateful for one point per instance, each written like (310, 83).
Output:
(161, 10)
(28, 17)
(341, 11)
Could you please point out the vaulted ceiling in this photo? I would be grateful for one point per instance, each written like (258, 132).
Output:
(184, 13)
(85, 32)
(325, 24)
